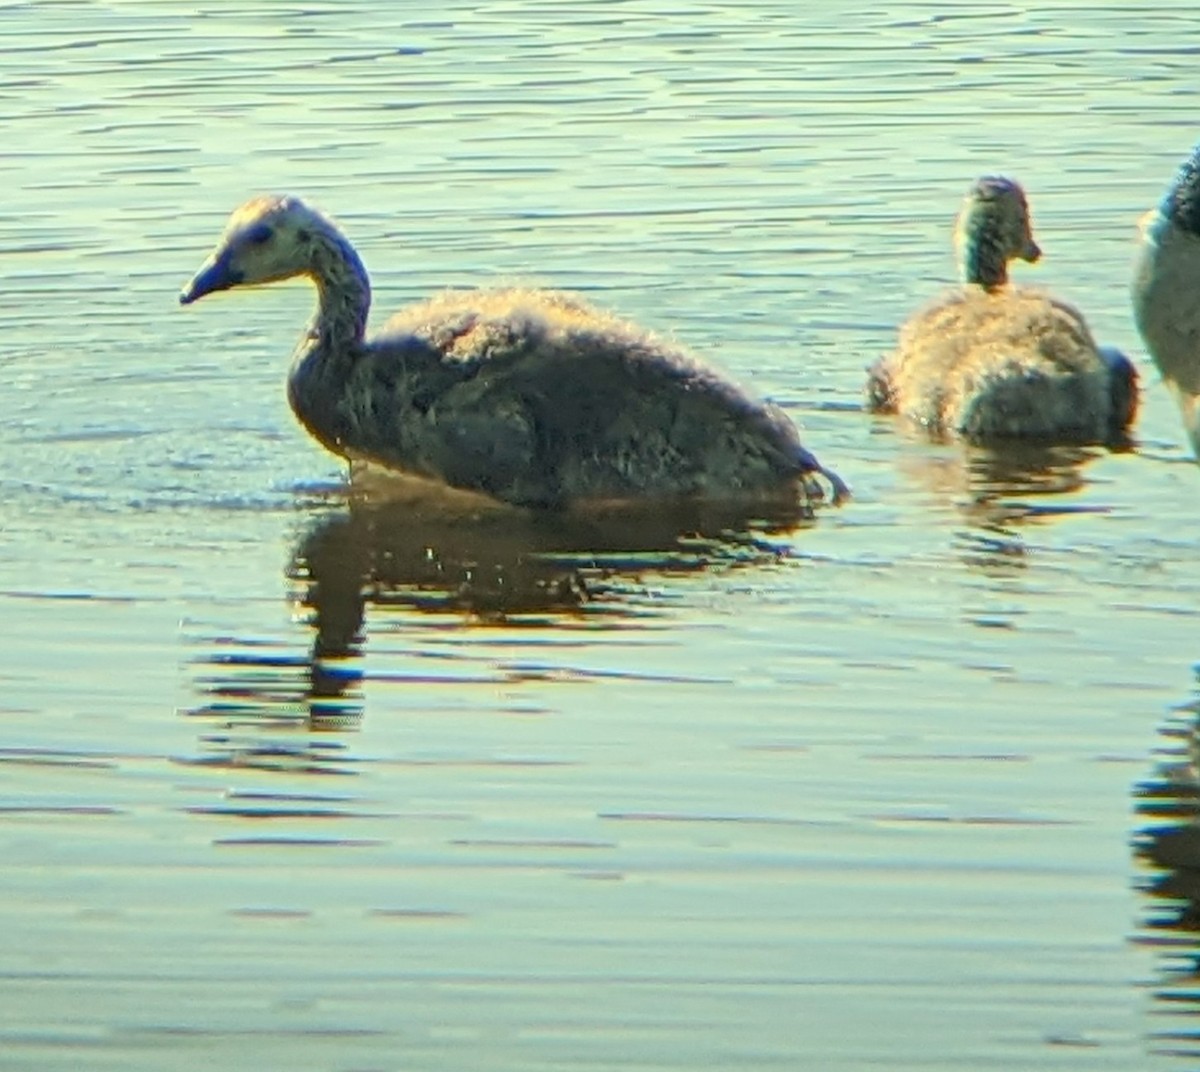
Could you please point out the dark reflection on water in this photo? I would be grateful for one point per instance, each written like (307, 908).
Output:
(1168, 843)
(1001, 490)
(514, 567)
(508, 569)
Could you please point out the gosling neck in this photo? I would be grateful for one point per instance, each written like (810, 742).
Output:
(343, 291)
(983, 256)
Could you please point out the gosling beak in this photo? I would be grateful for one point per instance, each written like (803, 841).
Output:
(1032, 253)
(215, 275)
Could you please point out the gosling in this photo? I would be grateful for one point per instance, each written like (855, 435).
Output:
(533, 398)
(989, 361)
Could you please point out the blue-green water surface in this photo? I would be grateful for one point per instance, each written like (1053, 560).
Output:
(290, 781)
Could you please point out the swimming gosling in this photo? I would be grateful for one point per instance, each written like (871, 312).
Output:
(1166, 291)
(530, 397)
(989, 361)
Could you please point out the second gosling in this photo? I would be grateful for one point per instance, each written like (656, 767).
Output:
(990, 361)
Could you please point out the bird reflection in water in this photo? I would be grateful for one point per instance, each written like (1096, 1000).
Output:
(484, 566)
(1168, 845)
(1000, 491)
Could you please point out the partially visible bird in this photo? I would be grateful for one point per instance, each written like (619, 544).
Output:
(1166, 291)
(533, 398)
(991, 361)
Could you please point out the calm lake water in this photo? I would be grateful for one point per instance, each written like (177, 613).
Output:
(291, 781)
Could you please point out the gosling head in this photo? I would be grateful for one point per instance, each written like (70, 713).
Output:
(265, 240)
(993, 229)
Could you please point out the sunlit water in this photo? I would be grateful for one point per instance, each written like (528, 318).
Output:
(291, 781)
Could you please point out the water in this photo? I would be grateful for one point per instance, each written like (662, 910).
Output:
(296, 781)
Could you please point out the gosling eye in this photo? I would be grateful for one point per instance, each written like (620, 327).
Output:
(259, 234)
